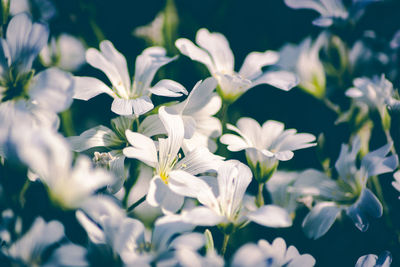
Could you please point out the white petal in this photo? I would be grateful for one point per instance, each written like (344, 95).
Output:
(119, 61)
(142, 105)
(99, 136)
(218, 47)
(168, 88)
(151, 126)
(146, 66)
(254, 62)
(122, 106)
(199, 160)
(86, 88)
(234, 142)
(143, 148)
(202, 216)
(189, 49)
(280, 79)
(52, 89)
(160, 195)
(93, 231)
(251, 129)
(99, 61)
(185, 184)
(354, 92)
(320, 219)
(271, 216)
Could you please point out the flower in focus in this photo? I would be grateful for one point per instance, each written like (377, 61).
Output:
(214, 52)
(169, 167)
(197, 112)
(271, 255)
(223, 200)
(129, 98)
(265, 145)
(349, 192)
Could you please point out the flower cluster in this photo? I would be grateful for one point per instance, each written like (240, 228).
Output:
(161, 179)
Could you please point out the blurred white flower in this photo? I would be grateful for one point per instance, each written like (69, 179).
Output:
(30, 248)
(40, 96)
(106, 223)
(376, 93)
(329, 10)
(349, 192)
(169, 167)
(265, 145)
(223, 200)
(303, 59)
(271, 255)
(371, 260)
(66, 52)
(152, 32)
(129, 98)
(214, 52)
(47, 154)
(44, 9)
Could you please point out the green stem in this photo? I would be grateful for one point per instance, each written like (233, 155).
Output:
(379, 193)
(137, 203)
(67, 124)
(390, 140)
(332, 106)
(23, 191)
(260, 197)
(225, 244)
(223, 115)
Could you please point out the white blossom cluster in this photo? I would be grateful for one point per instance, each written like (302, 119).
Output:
(162, 182)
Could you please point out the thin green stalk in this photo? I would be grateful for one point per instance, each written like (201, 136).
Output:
(332, 106)
(225, 244)
(67, 123)
(23, 191)
(137, 203)
(260, 197)
(390, 140)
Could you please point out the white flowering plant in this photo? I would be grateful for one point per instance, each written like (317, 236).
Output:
(129, 135)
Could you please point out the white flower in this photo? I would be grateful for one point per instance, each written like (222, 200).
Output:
(40, 96)
(376, 93)
(47, 154)
(169, 168)
(196, 111)
(305, 62)
(347, 193)
(329, 10)
(271, 255)
(265, 145)
(215, 53)
(129, 98)
(30, 248)
(152, 33)
(371, 260)
(113, 141)
(106, 224)
(223, 201)
(44, 9)
(66, 52)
